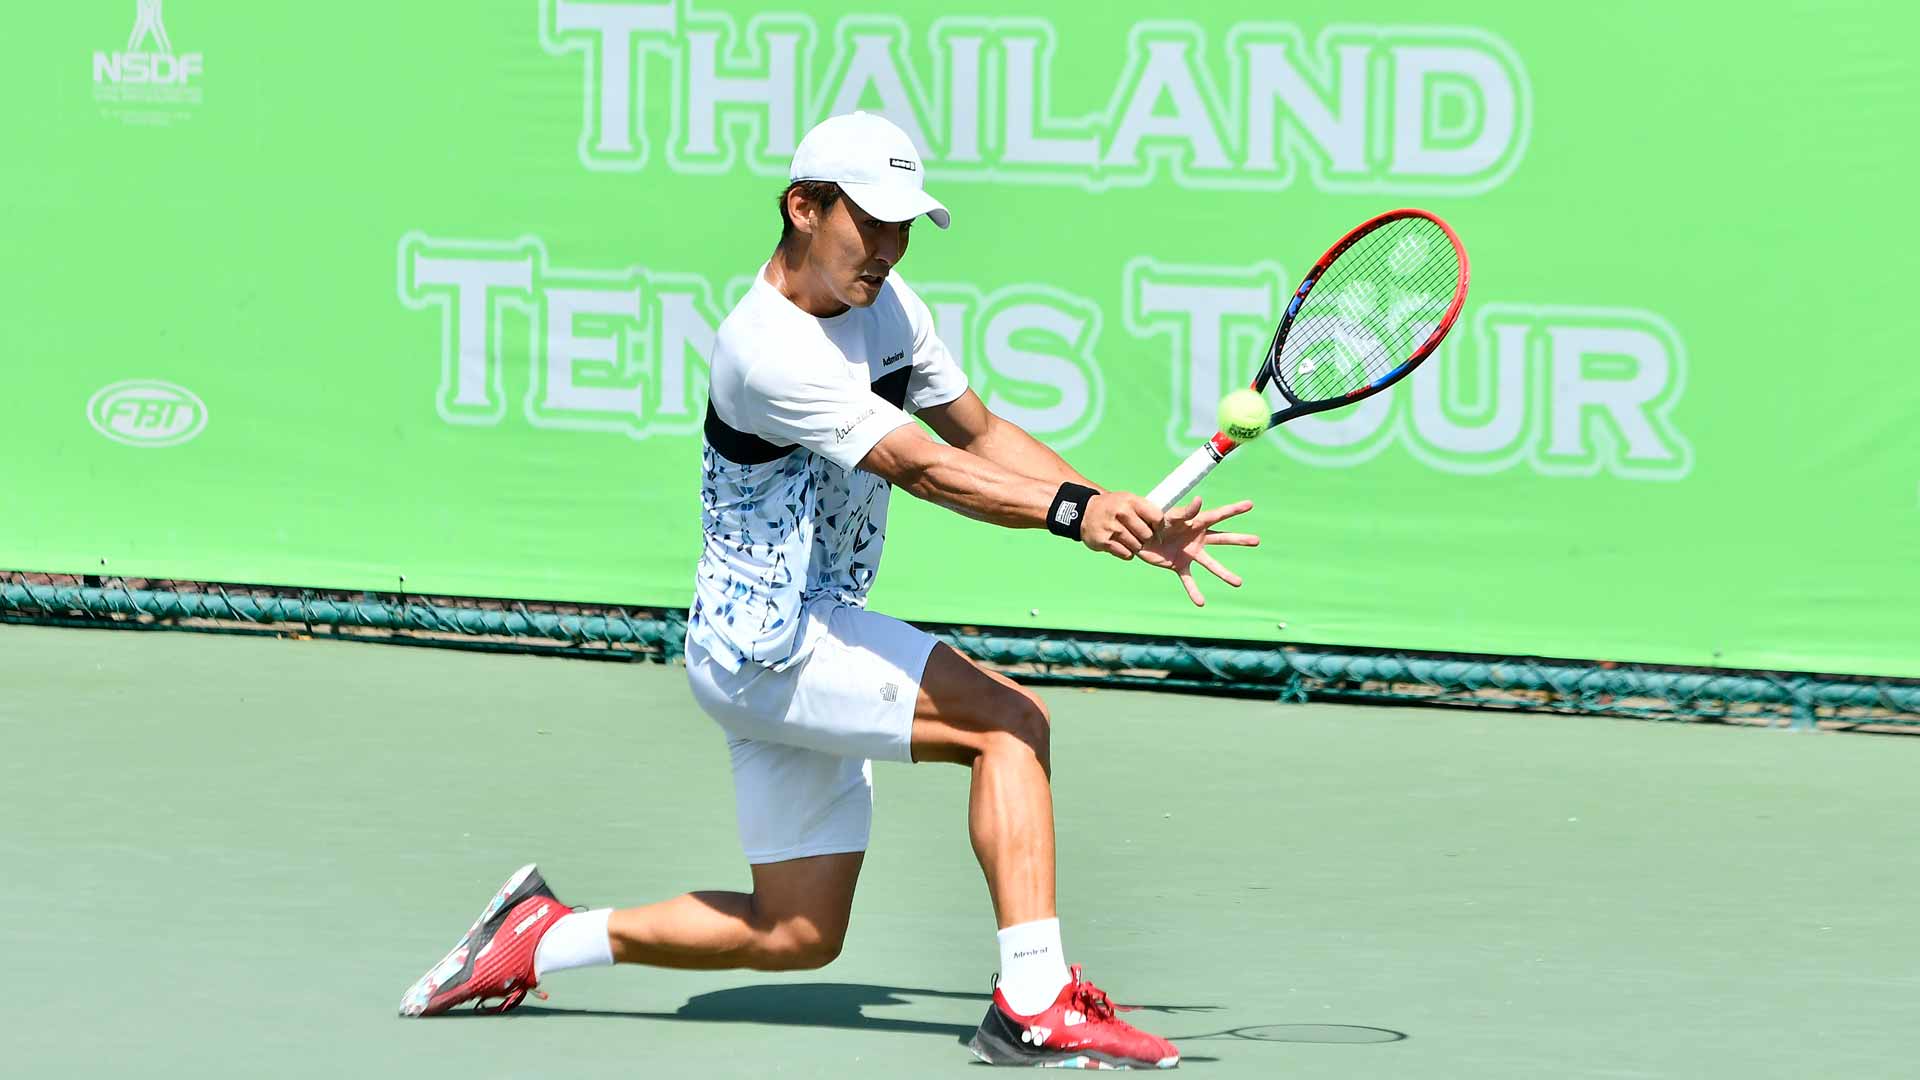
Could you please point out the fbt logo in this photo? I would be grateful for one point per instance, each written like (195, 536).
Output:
(1559, 389)
(626, 350)
(147, 412)
(148, 69)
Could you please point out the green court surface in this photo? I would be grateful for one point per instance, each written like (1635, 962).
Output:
(227, 856)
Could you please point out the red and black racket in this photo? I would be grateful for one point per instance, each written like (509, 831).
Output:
(1374, 306)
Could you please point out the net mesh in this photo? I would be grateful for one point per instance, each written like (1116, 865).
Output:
(1369, 311)
(1290, 672)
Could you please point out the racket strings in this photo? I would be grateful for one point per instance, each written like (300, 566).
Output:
(1364, 349)
(1362, 330)
(1358, 330)
(1363, 317)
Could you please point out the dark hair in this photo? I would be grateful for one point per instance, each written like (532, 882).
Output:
(821, 193)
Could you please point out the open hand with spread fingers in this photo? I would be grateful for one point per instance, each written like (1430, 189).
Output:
(1182, 540)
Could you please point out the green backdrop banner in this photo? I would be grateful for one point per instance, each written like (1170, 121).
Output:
(371, 295)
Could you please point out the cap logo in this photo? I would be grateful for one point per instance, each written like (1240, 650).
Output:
(901, 163)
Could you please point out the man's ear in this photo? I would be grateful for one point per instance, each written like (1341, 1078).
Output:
(803, 212)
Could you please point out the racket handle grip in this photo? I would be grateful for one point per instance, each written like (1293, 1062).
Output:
(1184, 478)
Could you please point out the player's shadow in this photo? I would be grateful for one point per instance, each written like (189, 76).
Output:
(829, 1005)
(844, 1005)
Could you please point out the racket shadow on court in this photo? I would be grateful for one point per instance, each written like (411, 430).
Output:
(843, 1005)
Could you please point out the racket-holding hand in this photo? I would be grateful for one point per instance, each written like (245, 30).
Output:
(1183, 538)
(1119, 523)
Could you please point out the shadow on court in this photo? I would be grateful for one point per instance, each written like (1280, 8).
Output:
(826, 1005)
(843, 1005)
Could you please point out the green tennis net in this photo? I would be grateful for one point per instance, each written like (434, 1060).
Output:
(1287, 672)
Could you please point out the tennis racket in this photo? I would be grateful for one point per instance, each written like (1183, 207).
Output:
(1374, 306)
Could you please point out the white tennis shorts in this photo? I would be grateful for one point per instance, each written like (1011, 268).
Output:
(803, 740)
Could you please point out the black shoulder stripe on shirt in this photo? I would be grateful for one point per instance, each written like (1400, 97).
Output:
(893, 385)
(739, 447)
(743, 449)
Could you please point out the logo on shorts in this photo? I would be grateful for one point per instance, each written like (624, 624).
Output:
(890, 692)
(1067, 513)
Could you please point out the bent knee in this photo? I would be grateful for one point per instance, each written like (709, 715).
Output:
(800, 948)
(999, 720)
(1025, 726)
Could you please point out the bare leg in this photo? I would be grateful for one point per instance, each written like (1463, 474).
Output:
(974, 717)
(796, 917)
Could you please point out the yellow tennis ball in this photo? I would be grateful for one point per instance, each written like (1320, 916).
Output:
(1243, 415)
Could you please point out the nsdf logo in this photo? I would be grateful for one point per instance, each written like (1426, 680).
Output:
(148, 81)
(147, 412)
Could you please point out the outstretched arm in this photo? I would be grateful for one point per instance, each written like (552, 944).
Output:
(1181, 536)
(1116, 522)
(967, 424)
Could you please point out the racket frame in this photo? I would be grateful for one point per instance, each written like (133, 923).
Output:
(1188, 474)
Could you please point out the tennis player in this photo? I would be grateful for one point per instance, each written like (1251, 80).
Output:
(816, 375)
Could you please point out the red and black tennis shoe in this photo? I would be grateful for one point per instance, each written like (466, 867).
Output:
(1078, 1031)
(494, 962)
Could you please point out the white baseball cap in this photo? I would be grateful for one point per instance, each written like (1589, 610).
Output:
(873, 161)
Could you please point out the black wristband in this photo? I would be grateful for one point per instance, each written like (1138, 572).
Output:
(1069, 509)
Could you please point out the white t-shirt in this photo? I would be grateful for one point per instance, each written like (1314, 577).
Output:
(795, 402)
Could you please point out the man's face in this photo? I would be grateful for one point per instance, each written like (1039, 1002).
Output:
(852, 252)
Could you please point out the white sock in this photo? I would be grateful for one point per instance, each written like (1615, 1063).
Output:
(576, 941)
(1033, 967)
